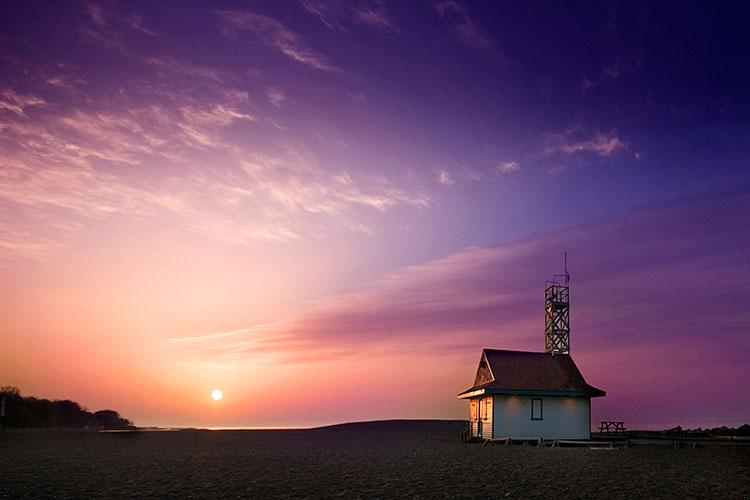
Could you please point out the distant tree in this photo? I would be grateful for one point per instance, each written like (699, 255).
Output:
(33, 412)
(743, 430)
(110, 419)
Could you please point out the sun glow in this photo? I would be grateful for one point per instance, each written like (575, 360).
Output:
(216, 394)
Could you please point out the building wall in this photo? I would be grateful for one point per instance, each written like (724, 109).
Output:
(562, 417)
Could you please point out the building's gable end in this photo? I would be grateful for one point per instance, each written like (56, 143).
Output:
(484, 372)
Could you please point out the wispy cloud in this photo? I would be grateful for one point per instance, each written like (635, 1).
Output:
(273, 34)
(17, 103)
(339, 14)
(466, 28)
(113, 28)
(168, 64)
(275, 96)
(105, 18)
(96, 14)
(444, 178)
(135, 22)
(571, 143)
(508, 167)
(15, 240)
(63, 162)
(211, 336)
(623, 65)
(65, 82)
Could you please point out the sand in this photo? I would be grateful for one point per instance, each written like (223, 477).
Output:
(381, 460)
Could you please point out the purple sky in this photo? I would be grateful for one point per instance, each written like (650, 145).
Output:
(354, 198)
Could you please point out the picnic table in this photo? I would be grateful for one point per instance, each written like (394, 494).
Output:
(612, 427)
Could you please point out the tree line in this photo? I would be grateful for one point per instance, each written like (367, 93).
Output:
(30, 412)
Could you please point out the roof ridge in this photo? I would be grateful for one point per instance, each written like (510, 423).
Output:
(515, 351)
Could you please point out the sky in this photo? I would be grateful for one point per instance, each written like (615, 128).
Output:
(327, 209)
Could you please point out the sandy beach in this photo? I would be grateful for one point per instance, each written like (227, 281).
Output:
(388, 459)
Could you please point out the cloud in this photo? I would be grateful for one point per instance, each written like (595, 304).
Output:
(489, 290)
(15, 240)
(338, 15)
(114, 28)
(96, 14)
(275, 96)
(464, 174)
(135, 22)
(470, 175)
(651, 296)
(70, 170)
(210, 336)
(444, 178)
(508, 167)
(217, 115)
(273, 34)
(623, 66)
(65, 82)
(168, 64)
(104, 19)
(17, 103)
(570, 143)
(601, 144)
(468, 30)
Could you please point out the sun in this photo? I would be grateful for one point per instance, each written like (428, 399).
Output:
(216, 394)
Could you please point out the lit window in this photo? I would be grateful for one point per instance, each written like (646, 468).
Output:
(536, 409)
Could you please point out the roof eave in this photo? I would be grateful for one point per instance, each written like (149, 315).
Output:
(471, 393)
(597, 393)
(474, 392)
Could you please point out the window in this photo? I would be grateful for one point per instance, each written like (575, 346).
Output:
(536, 409)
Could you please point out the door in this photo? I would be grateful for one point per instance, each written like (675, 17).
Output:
(474, 420)
(485, 417)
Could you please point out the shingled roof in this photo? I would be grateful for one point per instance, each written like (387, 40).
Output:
(520, 372)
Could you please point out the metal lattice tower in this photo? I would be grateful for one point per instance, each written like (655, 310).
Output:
(557, 313)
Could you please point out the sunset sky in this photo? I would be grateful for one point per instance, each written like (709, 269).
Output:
(327, 209)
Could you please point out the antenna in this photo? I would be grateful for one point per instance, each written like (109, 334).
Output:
(567, 274)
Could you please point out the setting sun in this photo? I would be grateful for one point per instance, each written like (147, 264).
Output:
(216, 394)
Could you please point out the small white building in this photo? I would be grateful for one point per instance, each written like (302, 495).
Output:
(529, 394)
(534, 394)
